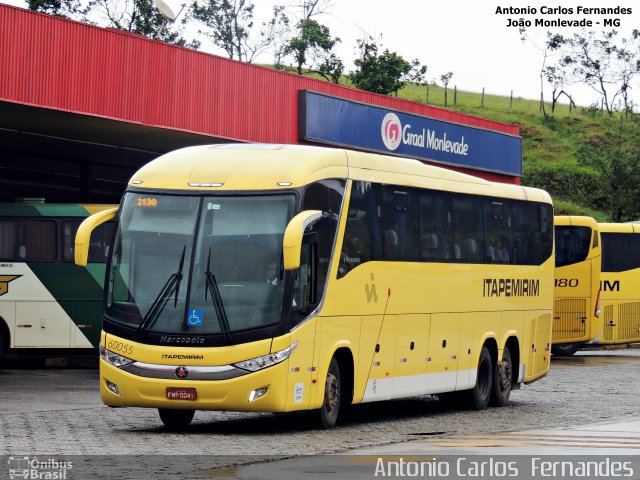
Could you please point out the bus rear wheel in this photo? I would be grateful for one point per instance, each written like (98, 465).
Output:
(332, 396)
(479, 397)
(565, 349)
(502, 378)
(176, 419)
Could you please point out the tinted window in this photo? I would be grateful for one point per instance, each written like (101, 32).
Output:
(98, 246)
(28, 240)
(620, 251)
(362, 239)
(388, 222)
(40, 240)
(572, 245)
(8, 239)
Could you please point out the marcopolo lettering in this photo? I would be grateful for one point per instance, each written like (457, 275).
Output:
(511, 287)
(185, 340)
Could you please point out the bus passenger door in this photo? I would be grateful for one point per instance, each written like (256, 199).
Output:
(442, 359)
(412, 345)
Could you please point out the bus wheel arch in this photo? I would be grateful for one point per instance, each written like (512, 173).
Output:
(338, 387)
(480, 395)
(5, 339)
(514, 350)
(565, 349)
(504, 374)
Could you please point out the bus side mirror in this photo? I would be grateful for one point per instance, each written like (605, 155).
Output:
(83, 235)
(292, 242)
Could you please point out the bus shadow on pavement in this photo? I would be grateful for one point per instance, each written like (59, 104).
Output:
(368, 414)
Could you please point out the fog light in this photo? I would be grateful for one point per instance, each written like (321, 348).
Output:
(113, 387)
(257, 393)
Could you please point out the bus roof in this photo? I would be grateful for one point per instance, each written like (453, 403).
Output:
(575, 221)
(234, 167)
(619, 228)
(40, 209)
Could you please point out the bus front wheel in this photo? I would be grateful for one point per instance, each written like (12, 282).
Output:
(502, 378)
(332, 396)
(176, 419)
(481, 394)
(565, 349)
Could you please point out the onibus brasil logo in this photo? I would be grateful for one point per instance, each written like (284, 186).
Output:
(32, 468)
(395, 134)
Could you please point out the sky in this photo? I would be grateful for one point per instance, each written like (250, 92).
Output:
(466, 37)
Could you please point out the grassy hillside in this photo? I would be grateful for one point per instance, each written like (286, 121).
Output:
(550, 145)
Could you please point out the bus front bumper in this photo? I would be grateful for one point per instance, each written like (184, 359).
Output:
(119, 388)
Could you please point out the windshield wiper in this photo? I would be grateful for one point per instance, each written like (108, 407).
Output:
(157, 306)
(214, 291)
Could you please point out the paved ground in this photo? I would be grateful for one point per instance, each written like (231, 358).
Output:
(54, 412)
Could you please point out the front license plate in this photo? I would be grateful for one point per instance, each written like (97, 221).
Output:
(175, 393)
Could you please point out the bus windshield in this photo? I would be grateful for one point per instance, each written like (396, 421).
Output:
(572, 244)
(198, 265)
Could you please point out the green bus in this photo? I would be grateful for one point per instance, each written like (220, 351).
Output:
(47, 303)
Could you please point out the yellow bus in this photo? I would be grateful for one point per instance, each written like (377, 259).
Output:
(619, 284)
(577, 283)
(280, 278)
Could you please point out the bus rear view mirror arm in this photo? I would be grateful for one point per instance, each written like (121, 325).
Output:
(83, 235)
(292, 242)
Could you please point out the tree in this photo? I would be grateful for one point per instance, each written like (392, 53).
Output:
(628, 55)
(606, 63)
(141, 17)
(383, 73)
(417, 75)
(137, 16)
(445, 79)
(230, 27)
(312, 46)
(556, 75)
(72, 9)
(615, 156)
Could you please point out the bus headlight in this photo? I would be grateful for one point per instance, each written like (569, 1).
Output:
(265, 361)
(113, 358)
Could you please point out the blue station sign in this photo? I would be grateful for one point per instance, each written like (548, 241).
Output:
(337, 121)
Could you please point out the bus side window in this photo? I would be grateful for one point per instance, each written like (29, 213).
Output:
(69, 229)
(325, 196)
(8, 239)
(98, 246)
(40, 240)
(362, 237)
(305, 287)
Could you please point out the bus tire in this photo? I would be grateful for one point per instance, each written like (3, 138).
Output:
(332, 396)
(502, 379)
(176, 419)
(481, 394)
(2, 340)
(565, 349)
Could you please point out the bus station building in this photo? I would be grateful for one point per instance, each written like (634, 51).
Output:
(82, 107)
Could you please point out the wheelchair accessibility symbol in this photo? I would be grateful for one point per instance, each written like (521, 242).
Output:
(195, 317)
